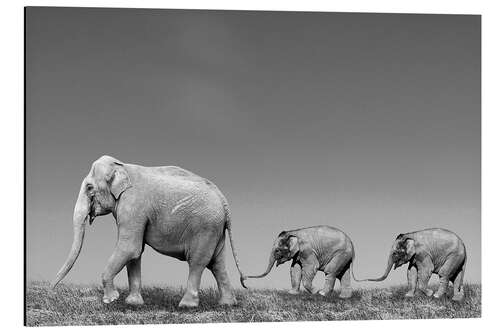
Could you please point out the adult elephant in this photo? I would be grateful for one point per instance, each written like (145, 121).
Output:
(173, 210)
(429, 251)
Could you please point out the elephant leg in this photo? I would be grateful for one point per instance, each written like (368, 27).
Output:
(345, 284)
(458, 288)
(424, 273)
(449, 267)
(443, 286)
(295, 277)
(412, 280)
(331, 270)
(128, 247)
(134, 282)
(330, 278)
(308, 273)
(218, 269)
(201, 252)
(190, 298)
(337, 267)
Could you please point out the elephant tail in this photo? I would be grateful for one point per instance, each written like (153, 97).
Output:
(352, 267)
(231, 240)
(461, 282)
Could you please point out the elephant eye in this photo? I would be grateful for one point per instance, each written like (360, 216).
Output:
(90, 187)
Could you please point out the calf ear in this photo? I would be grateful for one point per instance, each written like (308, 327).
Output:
(410, 247)
(293, 245)
(119, 182)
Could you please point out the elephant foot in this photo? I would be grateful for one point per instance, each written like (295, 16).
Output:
(110, 296)
(346, 293)
(458, 297)
(134, 299)
(189, 301)
(428, 292)
(438, 295)
(410, 294)
(323, 293)
(293, 292)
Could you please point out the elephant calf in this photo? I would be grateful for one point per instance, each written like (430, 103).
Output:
(313, 249)
(429, 251)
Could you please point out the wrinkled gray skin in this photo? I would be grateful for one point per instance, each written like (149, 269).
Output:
(313, 249)
(429, 251)
(174, 211)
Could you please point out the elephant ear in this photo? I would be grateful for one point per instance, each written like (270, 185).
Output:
(293, 245)
(410, 247)
(119, 181)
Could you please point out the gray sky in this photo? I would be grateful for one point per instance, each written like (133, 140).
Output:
(366, 122)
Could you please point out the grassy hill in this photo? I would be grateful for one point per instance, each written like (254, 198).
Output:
(81, 305)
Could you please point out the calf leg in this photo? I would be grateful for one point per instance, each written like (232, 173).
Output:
(448, 269)
(345, 284)
(443, 286)
(308, 273)
(338, 266)
(424, 272)
(412, 280)
(295, 277)
(330, 278)
(458, 288)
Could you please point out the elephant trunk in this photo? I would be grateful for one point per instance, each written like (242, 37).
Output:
(390, 263)
(80, 216)
(269, 267)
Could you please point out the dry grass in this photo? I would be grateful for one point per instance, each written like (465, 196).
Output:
(81, 305)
